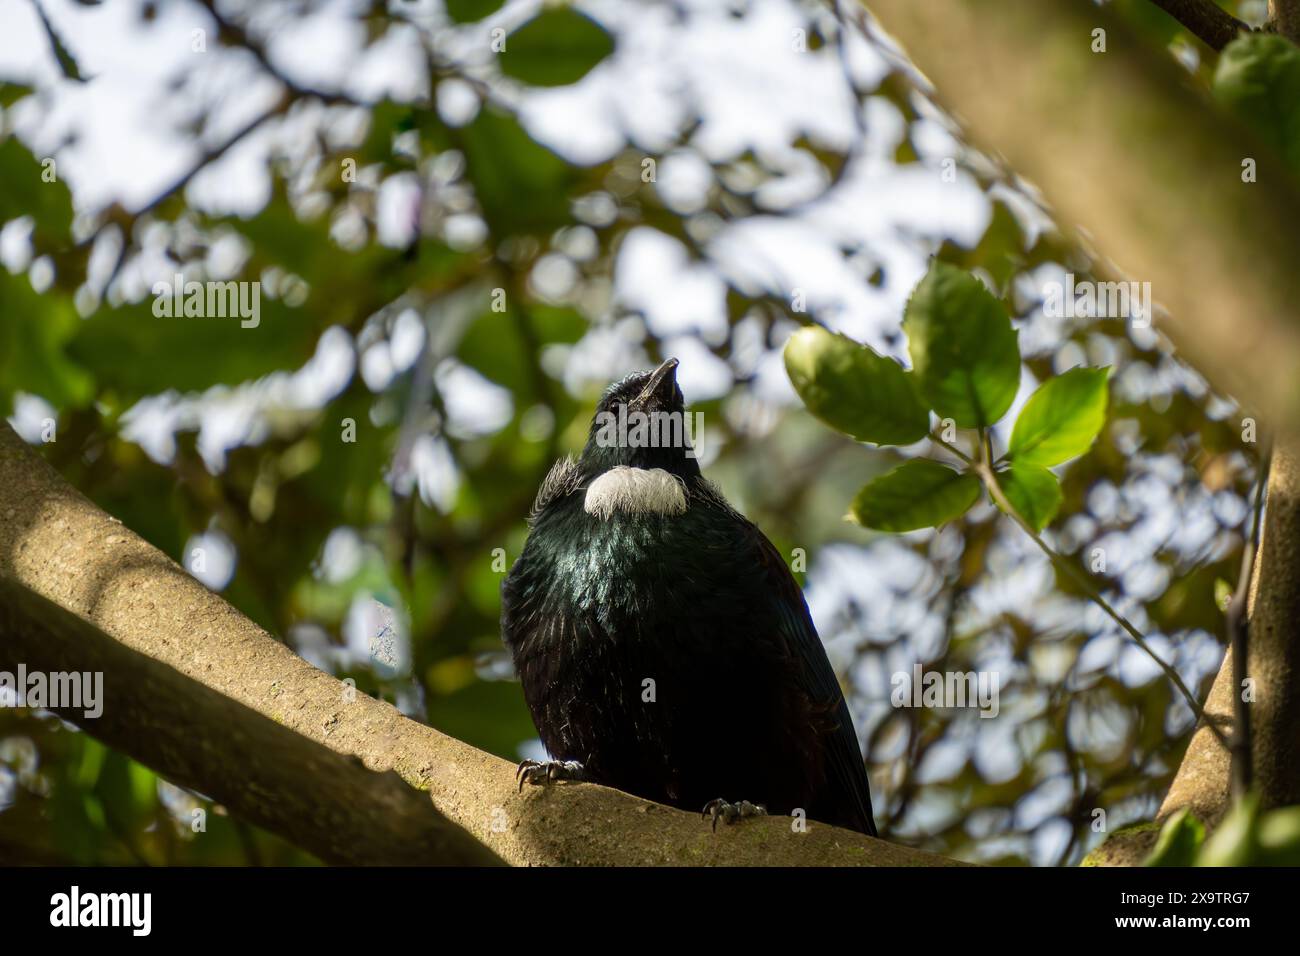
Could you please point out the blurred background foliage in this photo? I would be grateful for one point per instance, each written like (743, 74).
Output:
(448, 279)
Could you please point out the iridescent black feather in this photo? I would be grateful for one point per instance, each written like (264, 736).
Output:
(673, 655)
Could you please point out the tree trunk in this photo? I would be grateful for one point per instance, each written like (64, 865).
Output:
(1121, 146)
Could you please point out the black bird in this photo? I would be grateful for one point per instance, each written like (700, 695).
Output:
(664, 647)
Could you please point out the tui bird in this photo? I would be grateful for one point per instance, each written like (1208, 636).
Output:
(664, 647)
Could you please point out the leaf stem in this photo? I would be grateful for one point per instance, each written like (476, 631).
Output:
(934, 437)
(984, 470)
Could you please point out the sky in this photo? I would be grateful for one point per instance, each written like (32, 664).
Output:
(125, 136)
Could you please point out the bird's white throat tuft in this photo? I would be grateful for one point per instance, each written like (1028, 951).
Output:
(635, 491)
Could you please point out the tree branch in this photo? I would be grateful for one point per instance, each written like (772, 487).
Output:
(1203, 783)
(234, 34)
(205, 697)
(1237, 624)
(1274, 653)
(1284, 18)
(1121, 145)
(1112, 148)
(127, 220)
(1206, 19)
(320, 800)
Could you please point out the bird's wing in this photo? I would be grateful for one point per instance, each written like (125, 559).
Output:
(845, 770)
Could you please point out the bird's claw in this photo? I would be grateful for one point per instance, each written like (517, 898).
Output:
(729, 813)
(539, 772)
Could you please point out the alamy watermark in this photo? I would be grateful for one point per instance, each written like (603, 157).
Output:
(133, 911)
(637, 429)
(57, 690)
(1098, 300)
(209, 300)
(940, 689)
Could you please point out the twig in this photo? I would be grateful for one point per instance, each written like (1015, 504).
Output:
(1210, 22)
(842, 28)
(1238, 627)
(985, 471)
(210, 155)
(67, 64)
(420, 400)
(239, 36)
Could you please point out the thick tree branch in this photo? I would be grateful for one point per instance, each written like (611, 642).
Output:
(1274, 652)
(264, 728)
(265, 773)
(1122, 145)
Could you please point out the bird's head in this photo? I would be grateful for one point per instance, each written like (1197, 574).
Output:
(641, 422)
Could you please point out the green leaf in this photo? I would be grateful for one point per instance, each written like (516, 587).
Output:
(1279, 838)
(387, 121)
(1033, 491)
(27, 192)
(11, 93)
(34, 333)
(1178, 842)
(471, 11)
(344, 286)
(189, 354)
(521, 185)
(555, 48)
(495, 345)
(1223, 592)
(917, 494)
(1062, 418)
(853, 389)
(963, 349)
(1258, 79)
(557, 324)
(1234, 842)
(1000, 251)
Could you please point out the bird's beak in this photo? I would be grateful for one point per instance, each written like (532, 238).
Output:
(662, 382)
